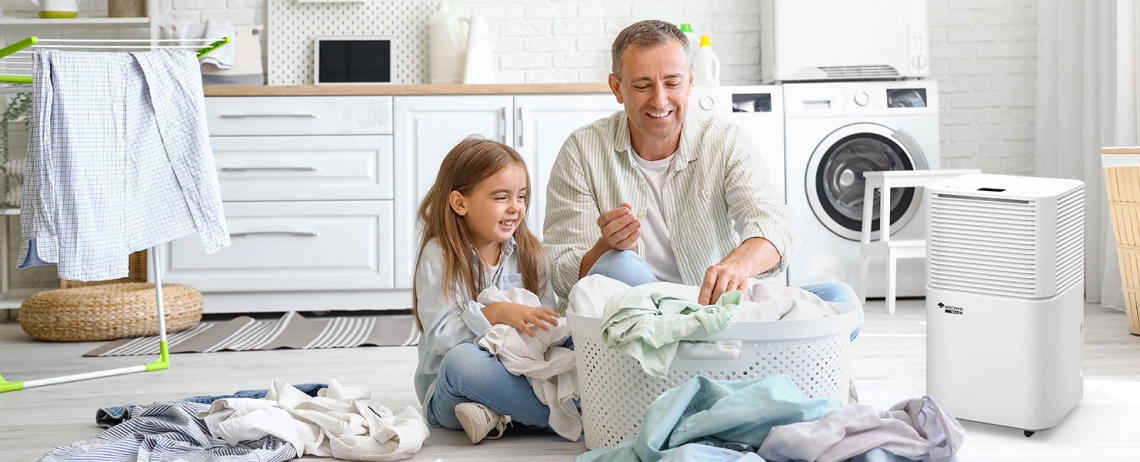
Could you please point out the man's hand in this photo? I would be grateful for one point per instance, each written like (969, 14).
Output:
(721, 278)
(754, 256)
(620, 229)
(521, 317)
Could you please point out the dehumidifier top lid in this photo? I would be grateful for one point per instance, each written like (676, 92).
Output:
(1005, 186)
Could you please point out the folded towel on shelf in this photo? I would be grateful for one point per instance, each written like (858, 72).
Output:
(238, 63)
(15, 194)
(217, 29)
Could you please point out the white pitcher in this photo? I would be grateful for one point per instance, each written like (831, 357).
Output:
(57, 8)
(480, 67)
(447, 33)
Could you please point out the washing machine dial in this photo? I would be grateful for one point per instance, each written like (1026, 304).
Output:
(706, 103)
(862, 98)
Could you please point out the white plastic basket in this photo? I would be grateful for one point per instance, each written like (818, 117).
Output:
(615, 391)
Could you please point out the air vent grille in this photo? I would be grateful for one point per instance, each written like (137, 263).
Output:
(845, 72)
(983, 245)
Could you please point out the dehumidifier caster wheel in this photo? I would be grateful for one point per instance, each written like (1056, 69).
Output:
(1029, 433)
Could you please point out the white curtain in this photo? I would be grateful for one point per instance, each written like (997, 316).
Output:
(1087, 99)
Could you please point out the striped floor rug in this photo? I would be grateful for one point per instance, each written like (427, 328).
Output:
(290, 331)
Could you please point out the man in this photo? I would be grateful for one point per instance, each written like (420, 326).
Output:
(654, 194)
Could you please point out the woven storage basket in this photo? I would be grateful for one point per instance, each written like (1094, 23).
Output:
(108, 312)
(1122, 181)
(137, 265)
(615, 391)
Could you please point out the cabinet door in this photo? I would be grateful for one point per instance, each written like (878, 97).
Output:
(426, 128)
(543, 125)
(290, 246)
(302, 168)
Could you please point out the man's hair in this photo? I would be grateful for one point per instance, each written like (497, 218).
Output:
(644, 34)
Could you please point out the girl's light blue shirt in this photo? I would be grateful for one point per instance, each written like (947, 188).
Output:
(451, 321)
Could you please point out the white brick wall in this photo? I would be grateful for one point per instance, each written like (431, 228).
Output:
(983, 54)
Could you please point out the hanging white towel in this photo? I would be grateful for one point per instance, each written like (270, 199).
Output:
(119, 160)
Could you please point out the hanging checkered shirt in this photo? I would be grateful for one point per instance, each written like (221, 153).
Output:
(119, 160)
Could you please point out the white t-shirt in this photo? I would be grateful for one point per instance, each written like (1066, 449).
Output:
(658, 250)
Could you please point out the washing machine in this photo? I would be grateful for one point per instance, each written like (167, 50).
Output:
(833, 133)
(759, 111)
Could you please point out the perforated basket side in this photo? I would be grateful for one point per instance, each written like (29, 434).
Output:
(615, 392)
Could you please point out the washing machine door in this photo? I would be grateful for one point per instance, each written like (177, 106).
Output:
(835, 184)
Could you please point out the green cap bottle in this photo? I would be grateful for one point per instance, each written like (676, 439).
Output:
(686, 28)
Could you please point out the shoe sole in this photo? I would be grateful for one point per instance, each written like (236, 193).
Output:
(465, 422)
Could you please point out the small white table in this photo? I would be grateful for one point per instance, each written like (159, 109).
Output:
(894, 249)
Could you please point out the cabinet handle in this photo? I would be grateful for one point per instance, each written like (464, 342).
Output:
(281, 233)
(290, 116)
(523, 113)
(263, 169)
(503, 125)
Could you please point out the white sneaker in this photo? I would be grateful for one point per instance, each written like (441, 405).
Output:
(478, 421)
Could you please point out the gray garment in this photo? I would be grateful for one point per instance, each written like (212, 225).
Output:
(915, 429)
(169, 431)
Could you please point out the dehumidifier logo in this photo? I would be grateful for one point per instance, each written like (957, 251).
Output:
(950, 309)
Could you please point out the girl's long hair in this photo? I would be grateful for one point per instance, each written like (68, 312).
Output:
(470, 162)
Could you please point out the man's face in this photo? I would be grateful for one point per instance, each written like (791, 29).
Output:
(654, 87)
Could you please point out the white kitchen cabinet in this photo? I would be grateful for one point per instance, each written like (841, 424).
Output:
(543, 123)
(299, 115)
(299, 168)
(426, 128)
(321, 193)
(291, 246)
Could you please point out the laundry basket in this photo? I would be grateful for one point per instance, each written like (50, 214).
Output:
(615, 391)
(1122, 182)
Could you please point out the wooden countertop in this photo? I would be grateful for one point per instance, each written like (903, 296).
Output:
(417, 89)
(1121, 150)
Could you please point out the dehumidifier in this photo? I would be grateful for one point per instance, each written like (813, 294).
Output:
(1005, 298)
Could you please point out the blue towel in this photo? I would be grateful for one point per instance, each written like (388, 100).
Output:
(706, 414)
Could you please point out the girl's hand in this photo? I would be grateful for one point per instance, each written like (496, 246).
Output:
(521, 317)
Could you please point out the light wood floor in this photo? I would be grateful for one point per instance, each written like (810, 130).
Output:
(889, 366)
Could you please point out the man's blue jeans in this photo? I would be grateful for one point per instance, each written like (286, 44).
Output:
(628, 267)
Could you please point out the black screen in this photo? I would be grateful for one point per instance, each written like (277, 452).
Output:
(365, 61)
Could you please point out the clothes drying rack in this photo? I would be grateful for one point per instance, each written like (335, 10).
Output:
(16, 75)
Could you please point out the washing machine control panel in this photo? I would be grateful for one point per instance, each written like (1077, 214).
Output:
(862, 98)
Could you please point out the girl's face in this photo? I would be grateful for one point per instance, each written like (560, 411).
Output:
(496, 206)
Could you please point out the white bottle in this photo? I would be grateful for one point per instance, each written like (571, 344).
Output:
(480, 57)
(706, 66)
(687, 29)
(448, 42)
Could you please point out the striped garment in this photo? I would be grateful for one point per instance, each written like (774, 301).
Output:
(169, 431)
(716, 196)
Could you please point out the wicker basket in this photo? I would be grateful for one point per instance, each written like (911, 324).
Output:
(136, 262)
(1122, 181)
(108, 312)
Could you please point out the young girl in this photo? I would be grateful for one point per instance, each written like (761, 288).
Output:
(475, 236)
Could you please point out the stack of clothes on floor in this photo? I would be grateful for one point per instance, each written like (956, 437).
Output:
(281, 423)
